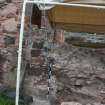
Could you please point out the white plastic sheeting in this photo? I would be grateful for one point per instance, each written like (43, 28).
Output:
(47, 6)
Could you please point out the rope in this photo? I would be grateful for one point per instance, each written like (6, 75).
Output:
(48, 60)
(49, 77)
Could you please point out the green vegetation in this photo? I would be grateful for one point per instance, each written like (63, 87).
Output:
(4, 100)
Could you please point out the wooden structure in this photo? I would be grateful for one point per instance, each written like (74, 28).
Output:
(80, 19)
(75, 19)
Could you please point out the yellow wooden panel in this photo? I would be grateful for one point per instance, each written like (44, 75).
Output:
(81, 27)
(80, 15)
(78, 18)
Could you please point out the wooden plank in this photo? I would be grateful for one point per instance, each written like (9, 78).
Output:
(81, 27)
(78, 15)
(95, 2)
(78, 18)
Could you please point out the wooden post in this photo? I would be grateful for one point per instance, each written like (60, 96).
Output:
(59, 36)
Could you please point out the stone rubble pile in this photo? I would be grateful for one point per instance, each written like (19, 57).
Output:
(70, 103)
(79, 75)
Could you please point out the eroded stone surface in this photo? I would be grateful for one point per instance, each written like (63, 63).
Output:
(79, 74)
(2, 1)
(10, 26)
(9, 11)
(70, 103)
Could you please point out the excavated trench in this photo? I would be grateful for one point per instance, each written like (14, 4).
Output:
(78, 75)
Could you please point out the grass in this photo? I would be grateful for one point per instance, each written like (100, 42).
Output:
(4, 100)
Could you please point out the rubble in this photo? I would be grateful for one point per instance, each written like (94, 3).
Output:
(77, 77)
(9, 11)
(10, 26)
(2, 1)
(2, 41)
(78, 73)
(39, 101)
(70, 103)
